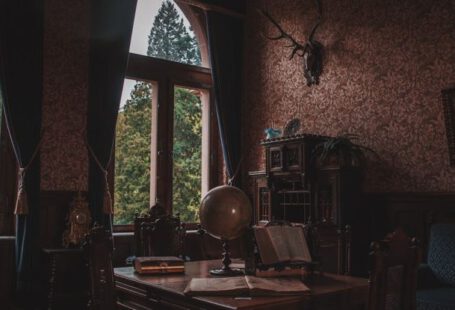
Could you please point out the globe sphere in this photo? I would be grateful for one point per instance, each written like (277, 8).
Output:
(225, 212)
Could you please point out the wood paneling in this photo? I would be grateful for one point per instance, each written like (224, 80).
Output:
(411, 211)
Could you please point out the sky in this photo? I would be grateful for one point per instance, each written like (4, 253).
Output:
(146, 11)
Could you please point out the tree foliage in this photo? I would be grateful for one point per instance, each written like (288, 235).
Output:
(170, 40)
(187, 154)
(132, 155)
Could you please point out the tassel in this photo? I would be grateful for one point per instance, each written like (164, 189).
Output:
(107, 200)
(21, 207)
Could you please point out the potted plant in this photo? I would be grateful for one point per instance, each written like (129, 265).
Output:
(341, 151)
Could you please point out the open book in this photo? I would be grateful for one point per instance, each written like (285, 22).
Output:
(281, 244)
(245, 286)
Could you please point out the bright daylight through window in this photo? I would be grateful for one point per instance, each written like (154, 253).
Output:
(160, 31)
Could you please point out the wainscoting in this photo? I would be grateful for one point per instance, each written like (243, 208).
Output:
(386, 211)
(414, 212)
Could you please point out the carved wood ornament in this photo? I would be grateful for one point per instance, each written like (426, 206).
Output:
(311, 51)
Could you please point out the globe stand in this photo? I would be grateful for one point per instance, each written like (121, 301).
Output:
(226, 271)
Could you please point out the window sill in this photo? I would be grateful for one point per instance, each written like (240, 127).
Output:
(129, 228)
(123, 228)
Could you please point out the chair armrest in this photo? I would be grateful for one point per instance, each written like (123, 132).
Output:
(426, 278)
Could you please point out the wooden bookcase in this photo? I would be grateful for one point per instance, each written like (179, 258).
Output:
(295, 188)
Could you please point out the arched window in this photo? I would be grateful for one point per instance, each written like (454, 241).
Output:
(164, 143)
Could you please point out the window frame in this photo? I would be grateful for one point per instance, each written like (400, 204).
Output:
(168, 75)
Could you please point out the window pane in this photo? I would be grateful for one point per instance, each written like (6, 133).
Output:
(161, 30)
(132, 151)
(187, 153)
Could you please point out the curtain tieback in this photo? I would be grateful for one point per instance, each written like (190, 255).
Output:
(21, 207)
(21, 201)
(107, 198)
(107, 201)
(236, 172)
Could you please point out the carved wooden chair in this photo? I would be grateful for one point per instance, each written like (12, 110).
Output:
(154, 213)
(138, 221)
(162, 236)
(98, 248)
(393, 276)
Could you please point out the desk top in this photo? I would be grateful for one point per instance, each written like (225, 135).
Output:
(173, 286)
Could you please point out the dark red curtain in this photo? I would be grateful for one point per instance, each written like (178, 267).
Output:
(111, 27)
(21, 46)
(225, 37)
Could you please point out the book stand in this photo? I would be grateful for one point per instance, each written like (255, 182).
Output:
(279, 268)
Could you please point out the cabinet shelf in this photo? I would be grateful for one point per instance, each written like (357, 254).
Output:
(292, 188)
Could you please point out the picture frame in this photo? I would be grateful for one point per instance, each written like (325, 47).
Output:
(448, 101)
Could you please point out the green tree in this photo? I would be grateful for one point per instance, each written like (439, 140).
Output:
(132, 155)
(170, 40)
(187, 154)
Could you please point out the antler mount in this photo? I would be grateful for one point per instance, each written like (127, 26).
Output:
(310, 51)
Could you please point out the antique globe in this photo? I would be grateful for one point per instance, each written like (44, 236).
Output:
(225, 214)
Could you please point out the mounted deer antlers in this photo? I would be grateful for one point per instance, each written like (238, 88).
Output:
(311, 51)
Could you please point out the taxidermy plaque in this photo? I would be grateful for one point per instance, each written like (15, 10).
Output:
(79, 220)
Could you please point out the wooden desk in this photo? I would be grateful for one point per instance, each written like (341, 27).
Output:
(136, 291)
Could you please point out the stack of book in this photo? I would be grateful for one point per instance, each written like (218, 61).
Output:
(159, 265)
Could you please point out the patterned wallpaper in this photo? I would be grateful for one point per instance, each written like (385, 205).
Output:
(63, 155)
(385, 65)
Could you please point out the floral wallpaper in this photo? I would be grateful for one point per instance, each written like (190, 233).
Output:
(64, 162)
(385, 65)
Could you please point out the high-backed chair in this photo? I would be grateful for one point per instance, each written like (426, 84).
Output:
(436, 278)
(162, 237)
(393, 275)
(98, 248)
(154, 213)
